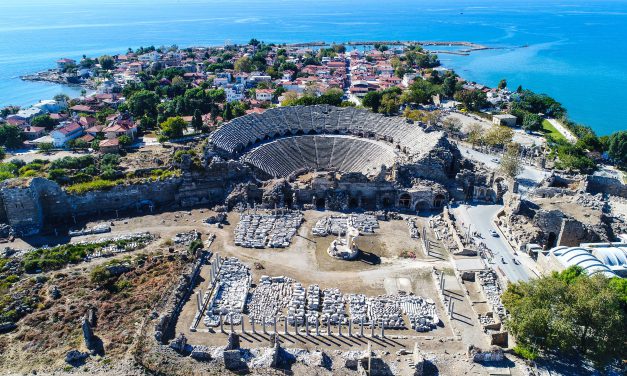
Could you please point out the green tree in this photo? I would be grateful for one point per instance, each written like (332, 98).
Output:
(389, 104)
(106, 62)
(617, 148)
(498, 136)
(63, 98)
(10, 136)
(449, 86)
(44, 121)
(45, 147)
(3, 153)
(143, 102)
(173, 127)
(502, 84)
(372, 100)
(532, 122)
(125, 141)
(197, 120)
(475, 133)
(243, 64)
(472, 100)
(510, 164)
(569, 311)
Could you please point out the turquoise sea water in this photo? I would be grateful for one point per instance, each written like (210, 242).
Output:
(576, 50)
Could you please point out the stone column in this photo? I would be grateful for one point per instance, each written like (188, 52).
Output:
(275, 332)
(285, 328)
(350, 328)
(339, 327)
(221, 324)
(306, 326)
(329, 327)
(382, 329)
(252, 321)
(243, 329)
(295, 326)
(263, 323)
(372, 329)
(361, 327)
(231, 322)
(317, 328)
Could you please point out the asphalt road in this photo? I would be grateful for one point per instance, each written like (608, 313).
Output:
(480, 219)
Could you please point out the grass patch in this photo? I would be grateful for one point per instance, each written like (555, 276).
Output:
(549, 130)
(525, 353)
(94, 185)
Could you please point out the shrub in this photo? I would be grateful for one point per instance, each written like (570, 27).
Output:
(94, 185)
(525, 352)
(100, 275)
(195, 245)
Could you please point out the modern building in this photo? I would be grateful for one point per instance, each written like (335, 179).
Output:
(66, 133)
(612, 255)
(608, 259)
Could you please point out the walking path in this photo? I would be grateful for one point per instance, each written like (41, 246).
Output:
(561, 129)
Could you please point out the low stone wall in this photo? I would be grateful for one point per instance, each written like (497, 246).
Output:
(167, 321)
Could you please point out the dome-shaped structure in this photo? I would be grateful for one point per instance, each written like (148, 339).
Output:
(581, 257)
(611, 256)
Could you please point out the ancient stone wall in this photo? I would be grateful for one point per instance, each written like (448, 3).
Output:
(600, 184)
(22, 209)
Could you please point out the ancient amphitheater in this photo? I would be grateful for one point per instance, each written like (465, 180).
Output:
(320, 157)
(285, 140)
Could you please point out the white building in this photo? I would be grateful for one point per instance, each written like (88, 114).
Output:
(51, 106)
(66, 133)
(150, 57)
(233, 94)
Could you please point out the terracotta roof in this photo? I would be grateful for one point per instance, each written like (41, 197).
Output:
(81, 108)
(94, 129)
(87, 138)
(33, 129)
(119, 127)
(15, 121)
(110, 142)
(69, 128)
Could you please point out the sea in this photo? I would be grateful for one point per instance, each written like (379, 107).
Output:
(575, 51)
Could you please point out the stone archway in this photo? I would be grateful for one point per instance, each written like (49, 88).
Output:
(404, 201)
(353, 203)
(422, 206)
(386, 202)
(320, 203)
(438, 200)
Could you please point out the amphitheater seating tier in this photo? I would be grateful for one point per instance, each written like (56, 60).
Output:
(281, 157)
(247, 131)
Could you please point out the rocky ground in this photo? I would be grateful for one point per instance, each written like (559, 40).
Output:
(125, 319)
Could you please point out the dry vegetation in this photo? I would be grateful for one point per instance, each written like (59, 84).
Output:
(44, 336)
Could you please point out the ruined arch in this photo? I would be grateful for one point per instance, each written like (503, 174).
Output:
(438, 201)
(386, 202)
(404, 201)
(353, 203)
(551, 240)
(421, 206)
(320, 203)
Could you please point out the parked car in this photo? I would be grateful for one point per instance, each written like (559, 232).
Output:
(516, 261)
(494, 233)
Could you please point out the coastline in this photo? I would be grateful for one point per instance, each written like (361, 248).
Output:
(53, 76)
